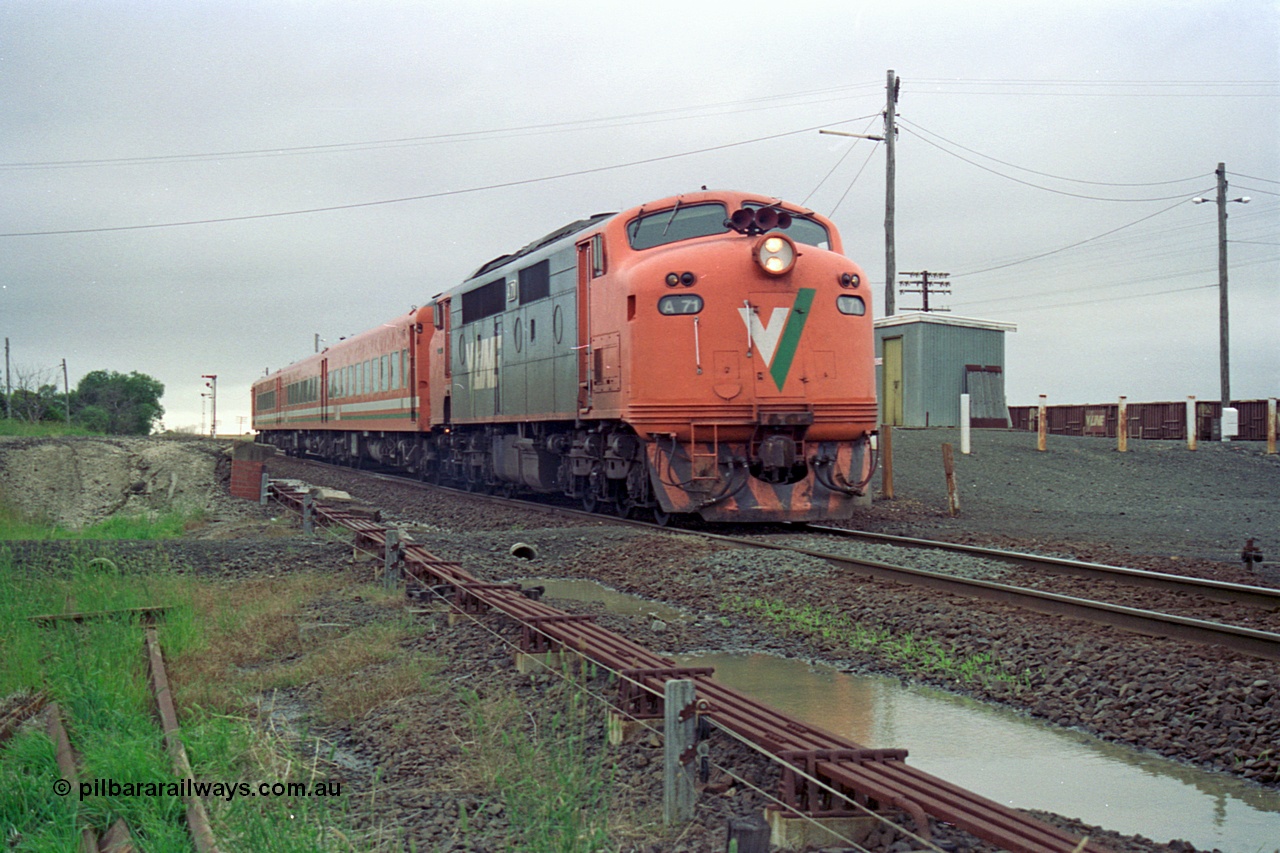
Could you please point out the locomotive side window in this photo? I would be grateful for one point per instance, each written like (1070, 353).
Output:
(674, 224)
(680, 304)
(484, 301)
(851, 305)
(597, 255)
(535, 282)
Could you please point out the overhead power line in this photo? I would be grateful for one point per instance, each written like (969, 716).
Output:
(1114, 298)
(424, 196)
(1099, 88)
(928, 141)
(626, 119)
(1040, 255)
(1047, 174)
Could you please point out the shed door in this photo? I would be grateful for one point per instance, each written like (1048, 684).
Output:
(893, 381)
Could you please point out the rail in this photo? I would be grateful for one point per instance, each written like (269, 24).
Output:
(816, 762)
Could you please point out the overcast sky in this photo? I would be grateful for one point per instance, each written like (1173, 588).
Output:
(1047, 158)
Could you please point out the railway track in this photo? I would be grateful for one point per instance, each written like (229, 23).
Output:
(1191, 598)
(823, 774)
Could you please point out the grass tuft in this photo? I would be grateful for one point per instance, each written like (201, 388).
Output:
(921, 655)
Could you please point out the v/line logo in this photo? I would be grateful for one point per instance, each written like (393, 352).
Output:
(778, 338)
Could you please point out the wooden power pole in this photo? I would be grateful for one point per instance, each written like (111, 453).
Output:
(890, 175)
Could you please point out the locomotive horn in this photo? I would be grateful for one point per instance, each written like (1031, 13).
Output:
(742, 219)
(784, 219)
(766, 218)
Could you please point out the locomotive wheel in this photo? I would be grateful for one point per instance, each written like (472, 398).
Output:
(590, 502)
(661, 517)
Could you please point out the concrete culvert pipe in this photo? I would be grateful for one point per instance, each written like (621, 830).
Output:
(524, 551)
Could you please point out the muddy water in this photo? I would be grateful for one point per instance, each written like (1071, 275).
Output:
(615, 602)
(1013, 759)
(997, 753)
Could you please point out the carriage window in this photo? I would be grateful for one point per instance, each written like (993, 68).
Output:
(677, 223)
(680, 304)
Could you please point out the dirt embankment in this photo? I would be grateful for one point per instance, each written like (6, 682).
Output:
(75, 482)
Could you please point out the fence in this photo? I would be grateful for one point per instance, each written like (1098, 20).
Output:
(1145, 420)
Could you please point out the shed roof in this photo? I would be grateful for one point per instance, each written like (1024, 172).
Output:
(943, 320)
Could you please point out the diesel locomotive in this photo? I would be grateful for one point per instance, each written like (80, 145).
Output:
(707, 354)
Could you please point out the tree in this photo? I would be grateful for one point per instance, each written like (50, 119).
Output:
(35, 397)
(118, 404)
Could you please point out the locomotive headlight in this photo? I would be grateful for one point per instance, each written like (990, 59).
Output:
(776, 254)
(850, 279)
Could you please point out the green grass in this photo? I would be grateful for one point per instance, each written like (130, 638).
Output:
(555, 789)
(13, 426)
(97, 673)
(169, 525)
(917, 655)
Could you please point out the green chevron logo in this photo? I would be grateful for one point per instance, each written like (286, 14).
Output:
(779, 338)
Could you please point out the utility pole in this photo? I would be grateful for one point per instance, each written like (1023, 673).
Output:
(1224, 346)
(924, 283)
(66, 389)
(8, 385)
(890, 175)
(212, 385)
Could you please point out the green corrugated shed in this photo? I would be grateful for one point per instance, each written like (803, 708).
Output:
(929, 360)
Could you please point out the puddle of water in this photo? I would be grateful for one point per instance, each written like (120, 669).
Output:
(1012, 759)
(620, 603)
(1000, 754)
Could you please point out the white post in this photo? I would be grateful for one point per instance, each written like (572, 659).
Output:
(1271, 426)
(392, 554)
(1043, 419)
(679, 735)
(1230, 423)
(1122, 425)
(964, 424)
(1191, 423)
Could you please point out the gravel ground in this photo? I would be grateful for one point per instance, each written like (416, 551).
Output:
(1202, 706)
(1193, 703)
(1082, 496)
